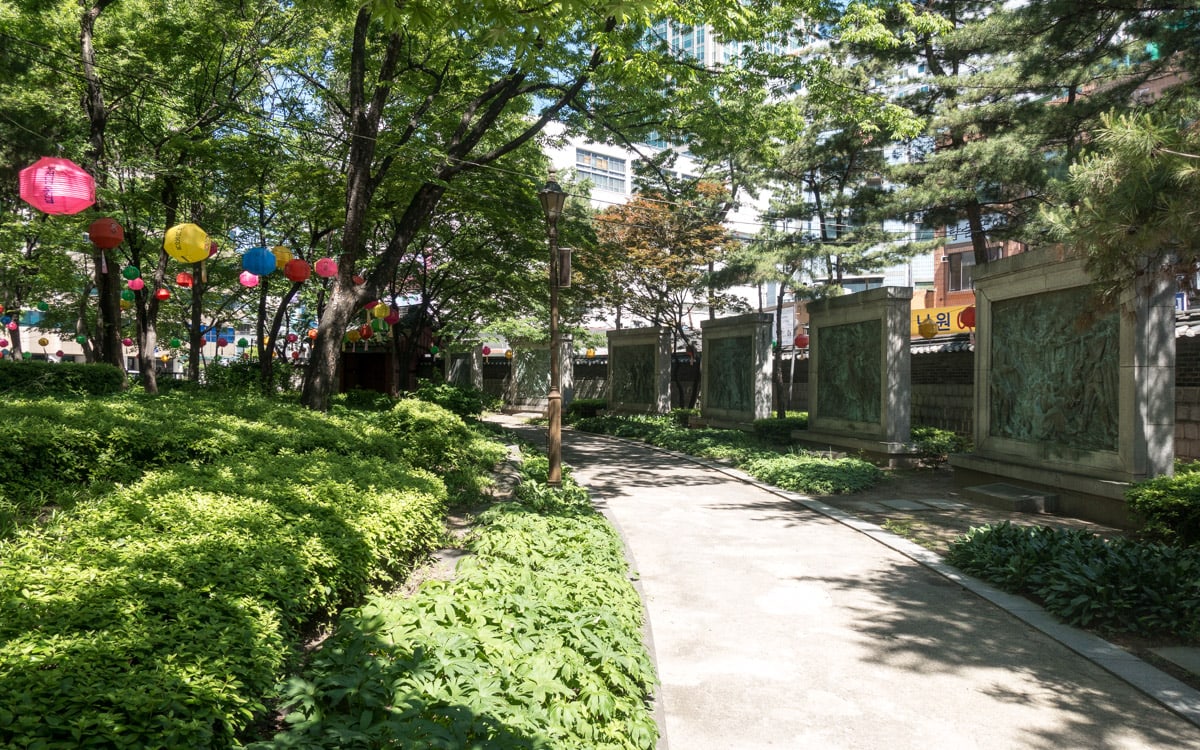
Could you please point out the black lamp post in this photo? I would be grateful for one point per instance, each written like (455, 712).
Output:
(553, 197)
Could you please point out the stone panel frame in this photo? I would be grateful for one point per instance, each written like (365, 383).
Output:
(659, 337)
(464, 367)
(755, 329)
(891, 307)
(1146, 382)
(523, 351)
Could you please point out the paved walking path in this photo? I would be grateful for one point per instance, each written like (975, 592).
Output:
(778, 622)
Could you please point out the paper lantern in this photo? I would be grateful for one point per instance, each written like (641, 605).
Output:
(175, 343)
(3, 343)
(487, 350)
(43, 341)
(162, 294)
(312, 333)
(42, 306)
(801, 340)
(326, 268)
(353, 336)
(59, 353)
(187, 243)
(433, 349)
(127, 342)
(508, 354)
(126, 304)
(1, 308)
(927, 328)
(212, 248)
(590, 353)
(26, 355)
(164, 357)
(243, 343)
(966, 317)
(282, 255)
(57, 186)
(136, 284)
(247, 279)
(380, 311)
(6, 319)
(291, 338)
(184, 279)
(365, 331)
(258, 261)
(12, 325)
(297, 270)
(392, 318)
(131, 272)
(81, 339)
(222, 341)
(106, 233)
(378, 325)
(295, 355)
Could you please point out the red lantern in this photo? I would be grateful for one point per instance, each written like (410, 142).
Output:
(487, 350)
(291, 338)
(966, 317)
(801, 341)
(371, 305)
(106, 234)
(162, 294)
(184, 279)
(212, 248)
(326, 268)
(295, 355)
(366, 331)
(222, 342)
(57, 186)
(297, 271)
(126, 341)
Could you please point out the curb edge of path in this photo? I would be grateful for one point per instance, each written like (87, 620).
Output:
(1173, 694)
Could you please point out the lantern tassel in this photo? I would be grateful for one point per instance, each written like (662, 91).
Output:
(203, 272)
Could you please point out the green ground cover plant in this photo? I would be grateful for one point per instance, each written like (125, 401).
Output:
(762, 457)
(164, 606)
(536, 644)
(1114, 586)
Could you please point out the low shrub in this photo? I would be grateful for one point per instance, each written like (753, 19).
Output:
(1168, 507)
(683, 417)
(536, 643)
(1121, 586)
(813, 474)
(33, 378)
(934, 445)
(468, 403)
(778, 431)
(584, 407)
(246, 375)
(162, 613)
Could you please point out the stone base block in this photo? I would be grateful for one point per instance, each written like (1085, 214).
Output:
(893, 455)
(1011, 497)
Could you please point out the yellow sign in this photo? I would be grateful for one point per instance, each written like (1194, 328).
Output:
(947, 320)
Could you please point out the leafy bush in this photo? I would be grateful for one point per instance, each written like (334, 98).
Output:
(813, 474)
(779, 431)
(161, 614)
(468, 403)
(934, 444)
(1168, 507)
(584, 407)
(1115, 586)
(536, 644)
(38, 378)
(683, 417)
(362, 399)
(246, 375)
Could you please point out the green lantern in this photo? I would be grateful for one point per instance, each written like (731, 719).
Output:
(81, 339)
(26, 355)
(131, 272)
(175, 343)
(378, 325)
(243, 343)
(128, 295)
(43, 306)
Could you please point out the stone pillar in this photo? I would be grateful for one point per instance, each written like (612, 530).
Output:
(639, 371)
(465, 368)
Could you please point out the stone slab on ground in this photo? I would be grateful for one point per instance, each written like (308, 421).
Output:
(1010, 497)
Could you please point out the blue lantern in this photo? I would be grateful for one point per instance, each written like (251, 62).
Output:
(259, 261)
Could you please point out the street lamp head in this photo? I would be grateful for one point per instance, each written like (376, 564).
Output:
(553, 197)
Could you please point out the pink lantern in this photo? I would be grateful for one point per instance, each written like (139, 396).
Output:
(291, 338)
(222, 342)
(126, 341)
(12, 325)
(247, 279)
(326, 268)
(487, 350)
(57, 186)
(3, 343)
(136, 284)
(392, 318)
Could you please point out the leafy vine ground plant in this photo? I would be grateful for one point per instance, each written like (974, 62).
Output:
(536, 643)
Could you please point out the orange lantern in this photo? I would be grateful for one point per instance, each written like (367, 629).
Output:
(106, 233)
(312, 333)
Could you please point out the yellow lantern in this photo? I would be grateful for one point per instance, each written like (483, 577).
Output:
(164, 357)
(927, 328)
(380, 311)
(126, 304)
(43, 341)
(186, 242)
(282, 255)
(591, 353)
(354, 336)
(508, 354)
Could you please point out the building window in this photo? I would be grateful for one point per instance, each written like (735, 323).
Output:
(960, 270)
(605, 172)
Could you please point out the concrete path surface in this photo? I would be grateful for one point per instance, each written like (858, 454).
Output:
(774, 625)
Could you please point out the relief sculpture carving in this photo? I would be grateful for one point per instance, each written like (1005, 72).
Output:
(633, 373)
(850, 371)
(1055, 374)
(731, 373)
